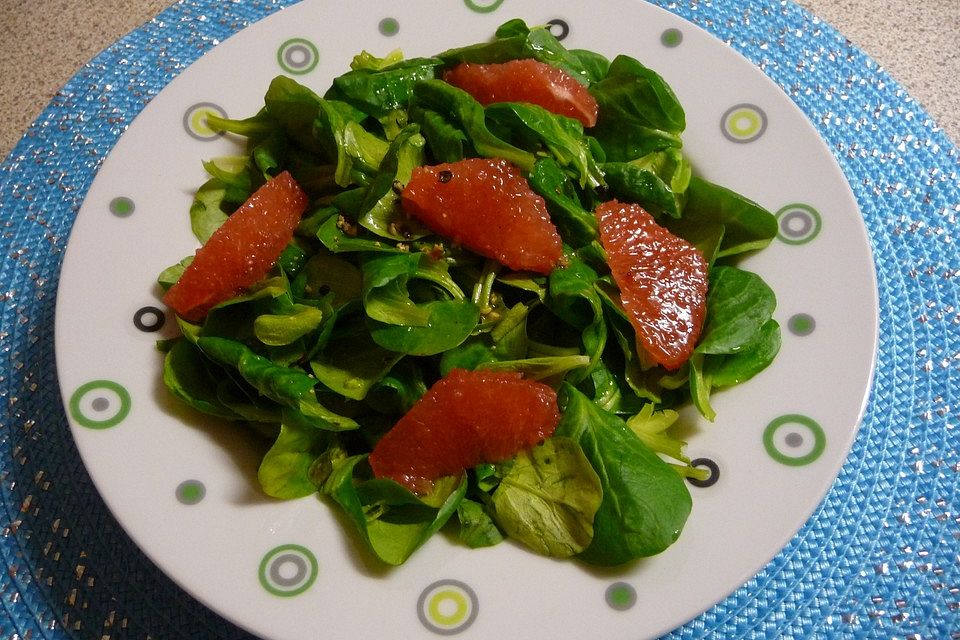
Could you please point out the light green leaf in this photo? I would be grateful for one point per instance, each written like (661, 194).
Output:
(277, 330)
(477, 528)
(285, 469)
(548, 498)
(391, 520)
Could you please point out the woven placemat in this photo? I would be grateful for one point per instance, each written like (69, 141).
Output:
(878, 559)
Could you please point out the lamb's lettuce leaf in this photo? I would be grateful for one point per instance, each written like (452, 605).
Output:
(290, 387)
(477, 528)
(645, 502)
(548, 497)
(391, 520)
(746, 225)
(639, 113)
(398, 322)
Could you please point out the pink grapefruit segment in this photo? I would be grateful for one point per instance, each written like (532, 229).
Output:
(662, 280)
(466, 418)
(529, 81)
(241, 251)
(487, 206)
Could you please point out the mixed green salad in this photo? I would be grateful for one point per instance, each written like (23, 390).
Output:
(366, 309)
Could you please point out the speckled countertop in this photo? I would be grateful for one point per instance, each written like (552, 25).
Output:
(44, 42)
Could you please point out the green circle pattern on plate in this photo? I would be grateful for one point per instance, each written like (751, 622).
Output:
(190, 492)
(100, 404)
(743, 123)
(798, 223)
(794, 440)
(801, 324)
(195, 120)
(288, 570)
(389, 27)
(483, 8)
(671, 38)
(621, 596)
(122, 206)
(298, 56)
(447, 607)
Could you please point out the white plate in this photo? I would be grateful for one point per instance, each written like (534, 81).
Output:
(186, 491)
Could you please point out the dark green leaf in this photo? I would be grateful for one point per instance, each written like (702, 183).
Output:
(595, 66)
(747, 225)
(352, 362)
(468, 115)
(399, 323)
(574, 299)
(576, 225)
(359, 152)
(294, 108)
(192, 379)
(739, 303)
(642, 381)
(638, 111)
(729, 370)
(630, 183)
(514, 41)
(380, 211)
(290, 387)
(469, 355)
(562, 137)
(379, 91)
(645, 502)
(341, 236)
(444, 140)
(398, 390)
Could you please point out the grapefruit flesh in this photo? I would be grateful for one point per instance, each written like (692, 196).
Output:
(487, 206)
(464, 419)
(528, 81)
(241, 251)
(662, 280)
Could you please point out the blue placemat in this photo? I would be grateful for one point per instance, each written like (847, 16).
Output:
(879, 558)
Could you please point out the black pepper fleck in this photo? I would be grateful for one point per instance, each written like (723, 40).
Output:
(445, 176)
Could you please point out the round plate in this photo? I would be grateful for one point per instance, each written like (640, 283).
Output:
(185, 488)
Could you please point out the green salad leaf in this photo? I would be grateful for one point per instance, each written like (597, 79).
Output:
(285, 469)
(477, 528)
(639, 113)
(391, 520)
(645, 503)
(548, 498)
(399, 323)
